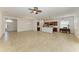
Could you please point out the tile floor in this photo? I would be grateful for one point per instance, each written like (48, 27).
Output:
(38, 42)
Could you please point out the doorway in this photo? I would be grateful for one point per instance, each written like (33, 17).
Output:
(11, 25)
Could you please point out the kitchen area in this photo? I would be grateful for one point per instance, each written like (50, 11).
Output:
(49, 26)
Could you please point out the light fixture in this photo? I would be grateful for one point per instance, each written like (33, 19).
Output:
(34, 12)
(9, 21)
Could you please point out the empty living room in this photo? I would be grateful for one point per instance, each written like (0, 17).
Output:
(39, 29)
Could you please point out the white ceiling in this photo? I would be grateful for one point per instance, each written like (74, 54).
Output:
(46, 11)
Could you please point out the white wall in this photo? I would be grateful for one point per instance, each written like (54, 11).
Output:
(2, 25)
(76, 24)
(26, 24)
(34, 25)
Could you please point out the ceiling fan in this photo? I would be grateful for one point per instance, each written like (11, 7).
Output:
(35, 10)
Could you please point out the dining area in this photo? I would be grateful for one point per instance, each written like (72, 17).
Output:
(65, 30)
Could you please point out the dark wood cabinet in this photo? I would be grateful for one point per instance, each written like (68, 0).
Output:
(37, 23)
(53, 23)
(54, 29)
(38, 28)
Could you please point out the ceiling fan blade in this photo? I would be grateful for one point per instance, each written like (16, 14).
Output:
(39, 11)
(35, 8)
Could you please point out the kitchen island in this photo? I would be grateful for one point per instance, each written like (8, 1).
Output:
(47, 29)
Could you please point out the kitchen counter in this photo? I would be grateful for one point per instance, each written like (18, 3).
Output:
(47, 29)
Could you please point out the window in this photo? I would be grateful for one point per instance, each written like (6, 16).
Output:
(64, 24)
